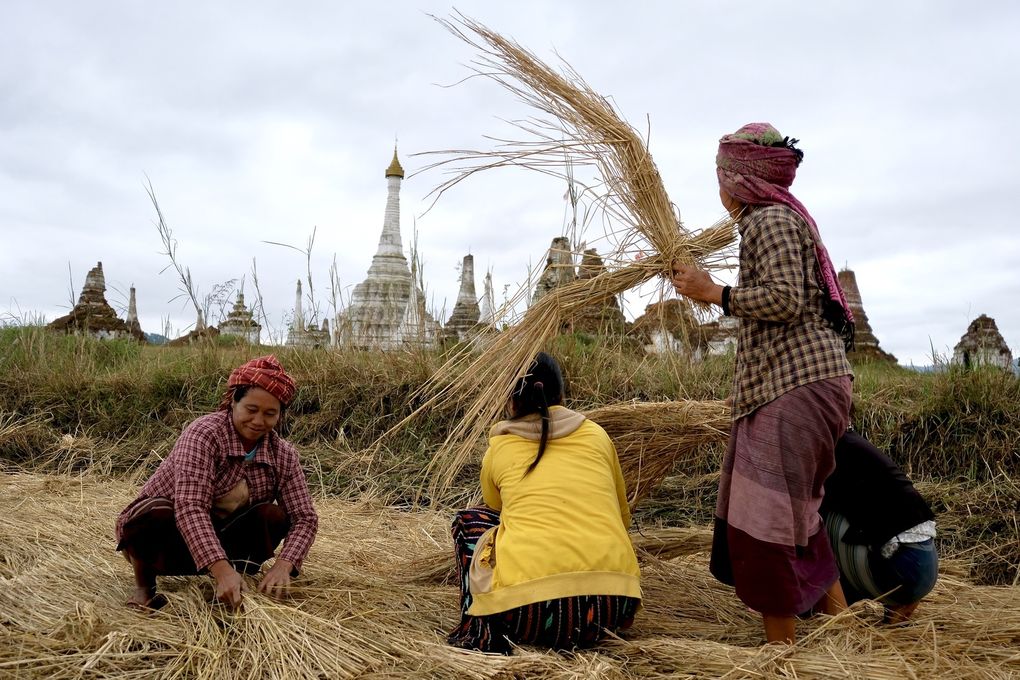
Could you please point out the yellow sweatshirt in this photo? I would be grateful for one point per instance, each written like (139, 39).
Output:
(563, 527)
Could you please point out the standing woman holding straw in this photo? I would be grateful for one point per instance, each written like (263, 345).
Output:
(231, 489)
(548, 561)
(791, 395)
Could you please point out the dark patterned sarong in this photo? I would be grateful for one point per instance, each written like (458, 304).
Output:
(249, 537)
(563, 623)
(769, 539)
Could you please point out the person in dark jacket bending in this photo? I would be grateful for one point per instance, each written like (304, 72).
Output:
(881, 529)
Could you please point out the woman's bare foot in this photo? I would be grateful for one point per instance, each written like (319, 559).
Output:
(146, 598)
(899, 614)
(145, 595)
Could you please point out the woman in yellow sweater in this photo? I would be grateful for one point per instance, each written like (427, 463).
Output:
(548, 561)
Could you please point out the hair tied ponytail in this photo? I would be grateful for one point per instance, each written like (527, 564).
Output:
(539, 385)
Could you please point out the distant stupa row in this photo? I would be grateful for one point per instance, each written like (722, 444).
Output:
(387, 310)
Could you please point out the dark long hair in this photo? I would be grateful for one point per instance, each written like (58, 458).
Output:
(539, 389)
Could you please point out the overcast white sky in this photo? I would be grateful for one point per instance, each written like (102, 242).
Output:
(258, 121)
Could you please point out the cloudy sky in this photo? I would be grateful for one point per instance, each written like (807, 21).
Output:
(261, 121)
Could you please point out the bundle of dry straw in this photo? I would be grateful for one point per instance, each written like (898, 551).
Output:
(652, 438)
(581, 126)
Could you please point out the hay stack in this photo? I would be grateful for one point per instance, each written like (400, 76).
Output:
(653, 438)
(581, 126)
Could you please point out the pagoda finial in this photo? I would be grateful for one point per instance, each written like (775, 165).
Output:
(395, 169)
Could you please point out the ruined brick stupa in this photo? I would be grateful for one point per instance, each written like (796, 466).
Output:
(983, 345)
(668, 326)
(387, 309)
(601, 318)
(559, 268)
(241, 323)
(94, 316)
(466, 313)
(865, 342)
(720, 335)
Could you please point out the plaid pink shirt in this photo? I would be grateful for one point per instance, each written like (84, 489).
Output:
(208, 461)
(782, 342)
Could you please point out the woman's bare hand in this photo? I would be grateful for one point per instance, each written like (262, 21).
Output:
(696, 284)
(276, 582)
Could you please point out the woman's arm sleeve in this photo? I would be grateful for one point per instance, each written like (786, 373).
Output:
(779, 272)
(490, 492)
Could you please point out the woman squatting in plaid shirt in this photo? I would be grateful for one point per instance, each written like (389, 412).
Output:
(231, 489)
(791, 388)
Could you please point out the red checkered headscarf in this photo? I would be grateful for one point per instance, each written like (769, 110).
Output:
(265, 372)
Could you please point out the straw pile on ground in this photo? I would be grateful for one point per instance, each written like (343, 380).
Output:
(358, 614)
(581, 126)
(654, 438)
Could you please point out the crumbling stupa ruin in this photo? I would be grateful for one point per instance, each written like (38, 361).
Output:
(719, 337)
(559, 268)
(865, 343)
(387, 309)
(668, 326)
(602, 318)
(94, 316)
(983, 345)
(241, 323)
(466, 314)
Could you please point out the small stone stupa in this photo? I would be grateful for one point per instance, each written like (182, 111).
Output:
(487, 306)
(201, 333)
(132, 317)
(466, 314)
(865, 343)
(241, 323)
(94, 316)
(387, 309)
(604, 318)
(303, 335)
(983, 345)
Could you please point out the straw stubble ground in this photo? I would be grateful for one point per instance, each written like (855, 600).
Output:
(377, 596)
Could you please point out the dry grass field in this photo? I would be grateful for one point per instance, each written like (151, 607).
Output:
(83, 423)
(376, 598)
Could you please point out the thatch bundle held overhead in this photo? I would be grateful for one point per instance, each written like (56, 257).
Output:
(578, 124)
(359, 611)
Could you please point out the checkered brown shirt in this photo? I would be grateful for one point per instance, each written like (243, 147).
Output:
(782, 342)
(208, 461)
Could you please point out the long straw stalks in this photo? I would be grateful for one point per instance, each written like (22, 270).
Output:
(581, 125)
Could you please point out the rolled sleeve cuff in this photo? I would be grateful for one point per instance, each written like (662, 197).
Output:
(297, 544)
(205, 558)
